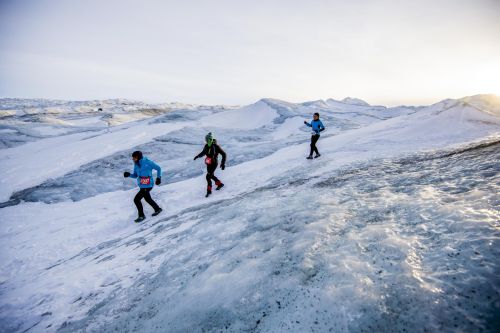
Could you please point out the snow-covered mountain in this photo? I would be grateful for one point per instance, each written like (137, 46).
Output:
(26, 120)
(354, 101)
(394, 228)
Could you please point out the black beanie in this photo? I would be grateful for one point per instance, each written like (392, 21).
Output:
(137, 154)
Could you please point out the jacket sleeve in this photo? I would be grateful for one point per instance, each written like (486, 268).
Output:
(223, 153)
(157, 168)
(321, 126)
(308, 124)
(203, 152)
(134, 174)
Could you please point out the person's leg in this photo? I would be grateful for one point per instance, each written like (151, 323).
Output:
(312, 145)
(218, 183)
(316, 138)
(209, 179)
(149, 200)
(212, 174)
(137, 201)
(210, 171)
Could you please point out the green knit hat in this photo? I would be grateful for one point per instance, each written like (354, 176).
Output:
(209, 138)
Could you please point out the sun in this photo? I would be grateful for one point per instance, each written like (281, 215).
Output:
(485, 79)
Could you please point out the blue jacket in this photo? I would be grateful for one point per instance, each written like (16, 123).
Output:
(317, 126)
(143, 171)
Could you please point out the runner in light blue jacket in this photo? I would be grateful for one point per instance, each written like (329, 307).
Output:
(317, 127)
(143, 171)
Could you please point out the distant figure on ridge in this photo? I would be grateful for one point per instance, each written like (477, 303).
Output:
(212, 151)
(143, 171)
(317, 127)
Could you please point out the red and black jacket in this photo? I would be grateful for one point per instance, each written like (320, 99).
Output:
(213, 152)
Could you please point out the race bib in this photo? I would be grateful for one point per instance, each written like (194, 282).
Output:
(208, 160)
(145, 180)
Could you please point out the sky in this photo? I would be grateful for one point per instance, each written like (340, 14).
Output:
(388, 52)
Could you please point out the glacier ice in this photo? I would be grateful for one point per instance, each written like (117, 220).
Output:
(394, 228)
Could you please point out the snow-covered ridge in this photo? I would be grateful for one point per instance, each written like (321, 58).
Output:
(355, 101)
(485, 103)
(113, 104)
(26, 120)
(394, 227)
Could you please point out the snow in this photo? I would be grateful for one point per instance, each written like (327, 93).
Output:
(288, 128)
(32, 163)
(354, 101)
(87, 121)
(49, 130)
(7, 131)
(486, 103)
(252, 116)
(394, 227)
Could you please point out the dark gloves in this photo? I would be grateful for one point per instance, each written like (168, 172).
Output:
(126, 174)
(305, 122)
(158, 181)
(194, 159)
(222, 166)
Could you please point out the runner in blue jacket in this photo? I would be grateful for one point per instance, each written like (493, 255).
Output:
(143, 171)
(317, 127)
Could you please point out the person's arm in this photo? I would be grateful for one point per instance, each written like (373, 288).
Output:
(321, 126)
(157, 168)
(158, 172)
(223, 153)
(134, 175)
(127, 174)
(308, 124)
(203, 152)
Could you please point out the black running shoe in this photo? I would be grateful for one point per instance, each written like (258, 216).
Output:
(139, 219)
(157, 212)
(317, 155)
(219, 186)
(309, 157)
(208, 194)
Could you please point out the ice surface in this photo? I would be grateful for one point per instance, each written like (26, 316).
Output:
(394, 228)
(388, 246)
(278, 125)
